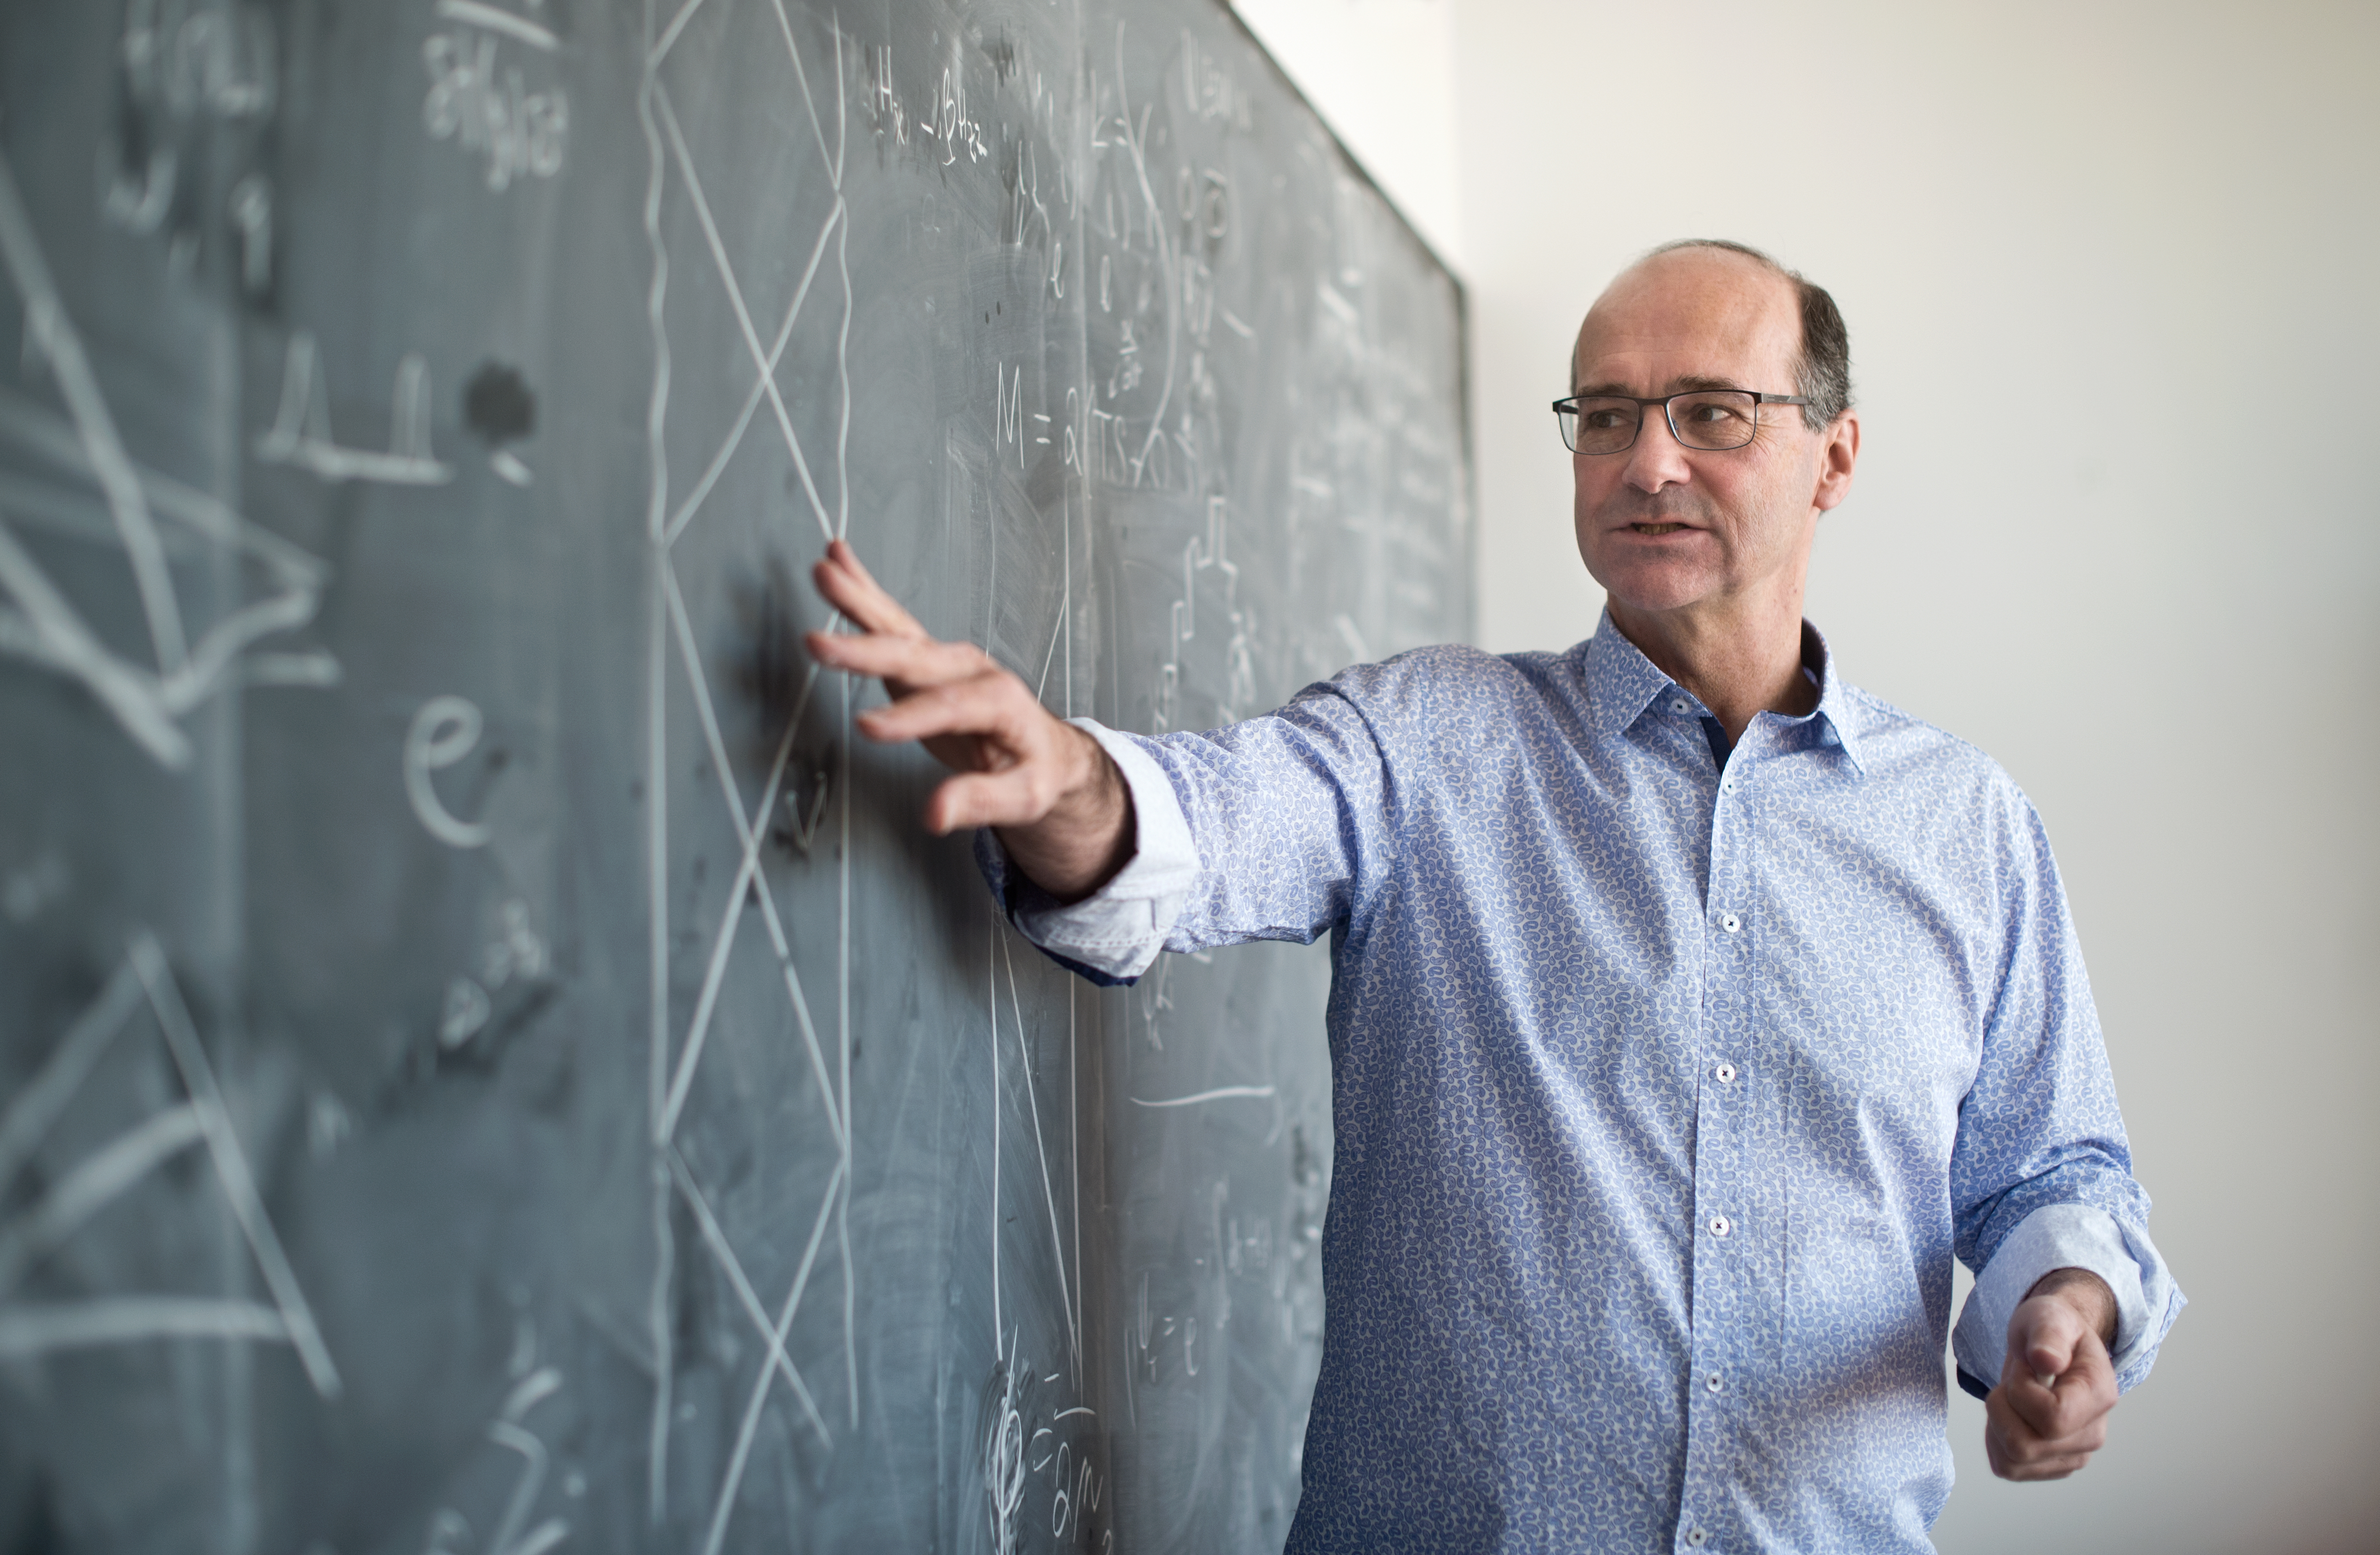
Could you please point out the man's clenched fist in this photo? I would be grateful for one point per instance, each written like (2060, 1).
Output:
(2050, 1414)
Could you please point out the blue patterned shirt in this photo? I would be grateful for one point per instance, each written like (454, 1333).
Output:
(1664, 1091)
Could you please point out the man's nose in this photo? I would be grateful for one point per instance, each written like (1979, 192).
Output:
(1656, 458)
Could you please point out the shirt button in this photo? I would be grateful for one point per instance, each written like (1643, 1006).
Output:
(1727, 786)
(1695, 1536)
(1681, 705)
(1724, 1073)
(1720, 1225)
(1712, 1382)
(1730, 922)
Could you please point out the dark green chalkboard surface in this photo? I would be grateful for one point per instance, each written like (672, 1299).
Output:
(488, 1063)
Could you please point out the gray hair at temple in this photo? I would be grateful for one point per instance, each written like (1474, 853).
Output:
(1823, 374)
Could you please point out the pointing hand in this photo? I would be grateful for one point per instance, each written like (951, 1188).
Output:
(1059, 805)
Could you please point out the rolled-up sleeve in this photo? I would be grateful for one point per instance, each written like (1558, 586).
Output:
(1112, 935)
(2066, 1236)
(2041, 1174)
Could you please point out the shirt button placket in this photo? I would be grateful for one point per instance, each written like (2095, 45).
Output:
(1719, 1167)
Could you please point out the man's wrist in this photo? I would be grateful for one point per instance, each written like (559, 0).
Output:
(1107, 808)
(2087, 1295)
(1086, 835)
(1095, 778)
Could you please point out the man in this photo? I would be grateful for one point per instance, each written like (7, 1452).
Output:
(1691, 1008)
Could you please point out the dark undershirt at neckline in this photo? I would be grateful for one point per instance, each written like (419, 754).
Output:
(1721, 746)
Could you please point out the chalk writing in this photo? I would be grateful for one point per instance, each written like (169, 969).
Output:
(218, 60)
(251, 213)
(301, 434)
(445, 730)
(449, 1532)
(490, 114)
(1197, 556)
(139, 206)
(467, 1011)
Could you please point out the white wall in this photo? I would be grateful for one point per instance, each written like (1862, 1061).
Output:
(2109, 272)
(1383, 73)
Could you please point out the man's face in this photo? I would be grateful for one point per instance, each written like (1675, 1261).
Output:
(1664, 528)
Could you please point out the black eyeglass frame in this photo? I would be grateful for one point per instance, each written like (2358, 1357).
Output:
(1668, 404)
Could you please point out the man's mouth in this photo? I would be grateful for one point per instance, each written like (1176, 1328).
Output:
(1656, 528)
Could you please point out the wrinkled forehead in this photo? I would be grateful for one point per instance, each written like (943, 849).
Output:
(1691, 316)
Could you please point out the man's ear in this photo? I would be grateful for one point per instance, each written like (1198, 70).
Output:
(1837, 462)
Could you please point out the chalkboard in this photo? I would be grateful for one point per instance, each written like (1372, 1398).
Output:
(488, 1062)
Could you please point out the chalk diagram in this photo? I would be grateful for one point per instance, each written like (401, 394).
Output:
(149, 518)
(675, 182)
(30, 1329)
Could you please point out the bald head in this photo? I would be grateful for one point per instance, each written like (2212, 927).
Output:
(1724, 290)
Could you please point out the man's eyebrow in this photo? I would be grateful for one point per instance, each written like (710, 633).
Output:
(1681, 385)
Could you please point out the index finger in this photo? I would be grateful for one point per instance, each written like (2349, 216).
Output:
(848, 587)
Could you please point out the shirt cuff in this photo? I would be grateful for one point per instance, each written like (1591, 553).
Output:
(2054, 1237)
(1117, 931)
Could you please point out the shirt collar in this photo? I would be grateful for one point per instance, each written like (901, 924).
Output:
(1621, 684)
(1836, 719)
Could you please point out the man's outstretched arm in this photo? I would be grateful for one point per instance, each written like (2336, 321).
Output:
(2049, 1413)
(1055, 798)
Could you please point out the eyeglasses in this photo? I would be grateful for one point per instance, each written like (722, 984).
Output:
(1706, 418)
